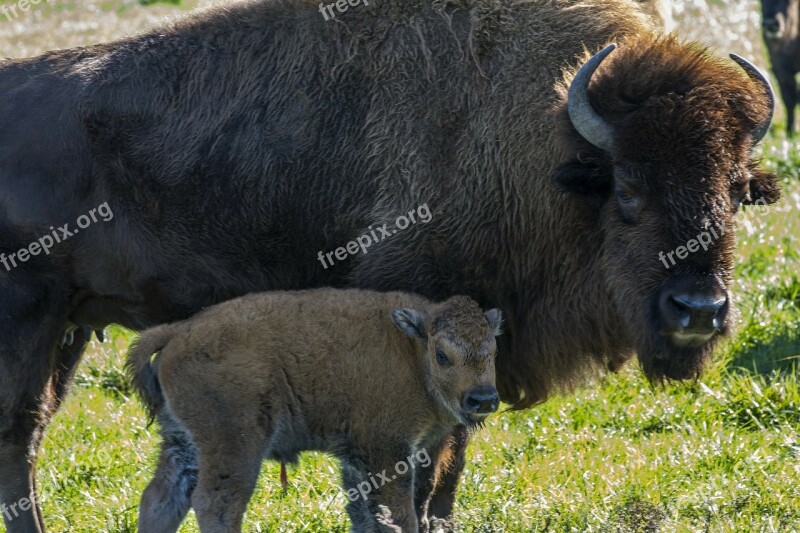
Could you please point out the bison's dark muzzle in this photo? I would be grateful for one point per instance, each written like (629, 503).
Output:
(691, 310)
(772, 28)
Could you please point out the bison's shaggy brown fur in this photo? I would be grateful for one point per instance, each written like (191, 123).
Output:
(273, 374)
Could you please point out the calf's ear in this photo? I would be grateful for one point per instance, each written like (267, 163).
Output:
(411, 322)
(495, 318)
(763, 188)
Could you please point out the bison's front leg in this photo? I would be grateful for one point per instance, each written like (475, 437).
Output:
(437, 484)
(34, 374)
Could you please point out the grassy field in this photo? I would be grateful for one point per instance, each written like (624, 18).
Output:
(719, 454)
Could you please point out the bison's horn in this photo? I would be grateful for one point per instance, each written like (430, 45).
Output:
(584, 118)
(756, 75)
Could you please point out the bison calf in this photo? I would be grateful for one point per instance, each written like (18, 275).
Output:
(373, 378)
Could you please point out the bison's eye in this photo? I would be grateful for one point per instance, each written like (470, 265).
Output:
(629, 204)
(442, 358)
(625, 198)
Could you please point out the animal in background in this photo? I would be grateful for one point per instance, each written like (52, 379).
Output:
(780, 22)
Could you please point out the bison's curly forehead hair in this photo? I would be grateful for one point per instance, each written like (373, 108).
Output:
(462, 321)
(694, 96)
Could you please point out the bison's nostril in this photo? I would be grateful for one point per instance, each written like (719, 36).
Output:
(771, 27)
(703, 313)
(694, 313)
(681, 311)
(481, 401)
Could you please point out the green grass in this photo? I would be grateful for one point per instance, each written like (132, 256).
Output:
(719, 454)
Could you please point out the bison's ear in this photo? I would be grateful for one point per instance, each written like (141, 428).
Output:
(411, 322)
(495, 318)
(763, 188)
(581, 178)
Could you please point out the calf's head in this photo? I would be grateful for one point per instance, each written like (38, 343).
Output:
(456, 344)
(661, 137)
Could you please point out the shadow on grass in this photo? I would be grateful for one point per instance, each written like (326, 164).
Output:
(771, 340)
(779, 353)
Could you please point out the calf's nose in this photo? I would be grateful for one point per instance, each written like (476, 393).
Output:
(481, 400)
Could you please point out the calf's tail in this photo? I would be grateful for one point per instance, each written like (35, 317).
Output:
(143, 367)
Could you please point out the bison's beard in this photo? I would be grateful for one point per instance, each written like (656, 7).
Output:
(662, 359)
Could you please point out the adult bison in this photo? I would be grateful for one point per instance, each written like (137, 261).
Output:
(780, 25)
(235, 145)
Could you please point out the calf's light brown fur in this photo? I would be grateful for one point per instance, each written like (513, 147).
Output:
(373, 378)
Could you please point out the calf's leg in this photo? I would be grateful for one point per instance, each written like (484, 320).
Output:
(437, 486)
(167, 498)
(228, 473)
(381, 496)
(34, 376)
(428, 478)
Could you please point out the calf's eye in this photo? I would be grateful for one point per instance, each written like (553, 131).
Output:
(442, 358)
